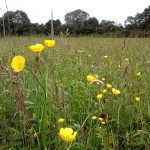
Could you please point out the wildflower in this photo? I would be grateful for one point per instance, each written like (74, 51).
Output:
(137, 99)
(100, 119)
(67, 134)
(103, 122)
(96, 76)
(103, 115)
(103, 79)
(99, 96)
(138, 74)
(90, 78)
(105, 56)
(94, 117)
(127, 60)
(104, 91)
(116, 92)
(37, 48)
(35, 135)
(18, 63)
(60, 120)
(109, 86)
(49, 43)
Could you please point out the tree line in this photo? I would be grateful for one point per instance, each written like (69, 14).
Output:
(77, 22)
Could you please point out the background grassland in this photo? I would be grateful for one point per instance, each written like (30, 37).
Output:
(53, 85)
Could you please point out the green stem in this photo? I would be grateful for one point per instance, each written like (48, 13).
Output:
(42, 123)
(36, 79)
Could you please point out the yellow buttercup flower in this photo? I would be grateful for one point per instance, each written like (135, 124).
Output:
(96, 76)
(37, 48)
(138, 74)
(18, 63)
(99, 96)
(94, 117)
(116, 92)
(104, 91)
(103, 122)
(103, 79)
(49, 43)
(105, 56)
(137, 99)
(127, 60)
(35, 135)
(90, 78)
(109, 86)
(67, 134)
(60, 120)
(100, 119)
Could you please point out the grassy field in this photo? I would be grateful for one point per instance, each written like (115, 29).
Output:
(56, 84)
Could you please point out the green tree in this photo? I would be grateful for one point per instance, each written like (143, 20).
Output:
(36, 28)
(76, 16)
(107, 26)
(138, 25)
(91, 25)
(56, 25)
(16, 22)
(75, 19)
(146, 19)
(22, 23)
(6, 22)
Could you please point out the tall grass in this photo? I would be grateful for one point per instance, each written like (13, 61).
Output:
(56, 86)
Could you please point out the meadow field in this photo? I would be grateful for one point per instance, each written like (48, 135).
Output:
(85, 93)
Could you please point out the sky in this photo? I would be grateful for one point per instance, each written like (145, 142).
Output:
(39, 11)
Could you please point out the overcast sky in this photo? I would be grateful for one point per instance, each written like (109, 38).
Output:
(39, 11)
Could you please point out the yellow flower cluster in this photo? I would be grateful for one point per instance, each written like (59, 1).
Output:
(102, 120)
(114, 91)
(18, 62)
(67, 134)
(37, 48)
